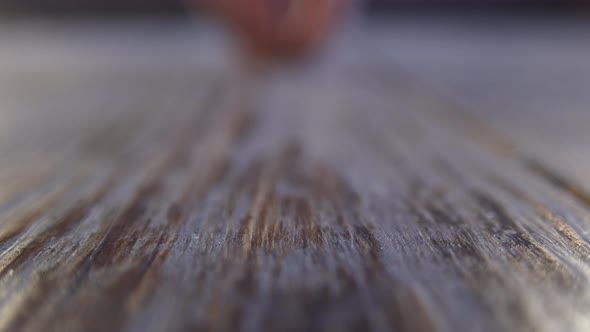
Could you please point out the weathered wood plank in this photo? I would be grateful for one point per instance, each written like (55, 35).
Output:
(139, 194)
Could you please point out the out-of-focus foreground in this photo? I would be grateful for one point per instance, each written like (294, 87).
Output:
(423, 174)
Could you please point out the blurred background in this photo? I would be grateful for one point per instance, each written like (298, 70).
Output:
(521, 64)
(173, 7)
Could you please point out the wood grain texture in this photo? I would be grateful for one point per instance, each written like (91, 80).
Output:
(140, 194)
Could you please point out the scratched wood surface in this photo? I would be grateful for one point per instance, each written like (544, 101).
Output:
(424, 176)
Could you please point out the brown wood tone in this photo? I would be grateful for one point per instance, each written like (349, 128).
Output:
(425, 176)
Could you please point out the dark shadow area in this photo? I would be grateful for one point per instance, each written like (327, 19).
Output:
(180, 7)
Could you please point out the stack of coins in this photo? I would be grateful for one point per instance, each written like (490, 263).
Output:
(279, 28)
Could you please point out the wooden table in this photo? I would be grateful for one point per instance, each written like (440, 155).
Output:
(427, 175)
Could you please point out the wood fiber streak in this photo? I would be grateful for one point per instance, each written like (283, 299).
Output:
(152, 198)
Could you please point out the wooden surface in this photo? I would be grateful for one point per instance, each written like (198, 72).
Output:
(428, 176)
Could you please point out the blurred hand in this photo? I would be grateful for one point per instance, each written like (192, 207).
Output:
(282, 28)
